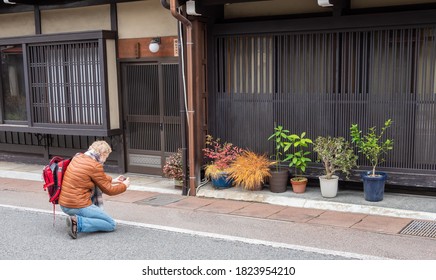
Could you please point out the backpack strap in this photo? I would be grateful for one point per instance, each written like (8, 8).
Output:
(54, 214)
(62, 165)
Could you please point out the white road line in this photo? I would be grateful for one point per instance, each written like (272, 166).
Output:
(223, 237)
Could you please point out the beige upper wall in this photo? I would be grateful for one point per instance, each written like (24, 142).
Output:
(288, 7)
(135, 20)
(19, 24)
(112, 84)
(76, 19)
(145, 19)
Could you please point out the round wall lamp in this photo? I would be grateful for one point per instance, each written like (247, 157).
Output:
(154, 45)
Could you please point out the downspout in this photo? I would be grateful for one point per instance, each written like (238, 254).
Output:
(182, 106)
(190, 98)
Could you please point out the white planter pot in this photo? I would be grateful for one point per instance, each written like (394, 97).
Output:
(329, 187)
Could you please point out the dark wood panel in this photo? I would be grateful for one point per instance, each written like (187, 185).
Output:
(138, 48)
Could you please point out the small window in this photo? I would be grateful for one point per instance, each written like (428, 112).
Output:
(12, 76)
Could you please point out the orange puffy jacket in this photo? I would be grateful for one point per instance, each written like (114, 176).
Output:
(80, 178)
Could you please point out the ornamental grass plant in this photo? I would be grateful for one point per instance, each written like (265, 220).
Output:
(250, 170)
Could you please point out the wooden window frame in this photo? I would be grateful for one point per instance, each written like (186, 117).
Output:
(103, 128)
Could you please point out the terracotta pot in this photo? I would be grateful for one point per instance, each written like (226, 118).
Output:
(299, 184)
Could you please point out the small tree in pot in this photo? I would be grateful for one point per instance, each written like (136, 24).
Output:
(279, 177)
(374, 147)
(298, 159)
(335, 154)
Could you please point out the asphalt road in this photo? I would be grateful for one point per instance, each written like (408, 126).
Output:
(150, 237)
(30, 235)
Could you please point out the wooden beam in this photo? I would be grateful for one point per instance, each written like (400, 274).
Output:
(340, 7)
(114, 17)
(223, 2)
(37, 14)
(328, 23)
(99, 34)
(27, 5)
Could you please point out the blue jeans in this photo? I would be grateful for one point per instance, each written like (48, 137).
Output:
(91, 219)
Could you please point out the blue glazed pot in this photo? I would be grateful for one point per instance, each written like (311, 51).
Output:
(222, 181)
(374, 187)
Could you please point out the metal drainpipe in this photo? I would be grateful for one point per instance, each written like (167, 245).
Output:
(185, 188)
(182, 106)
(190, 98)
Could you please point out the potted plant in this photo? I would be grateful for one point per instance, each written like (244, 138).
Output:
(249, 170)
(298, 160)
(335, 153)
(279, 176)
(374, 147)
(173, 168)
(220, 156)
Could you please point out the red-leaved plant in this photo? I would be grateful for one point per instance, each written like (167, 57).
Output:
(173, 166)
(220, 155)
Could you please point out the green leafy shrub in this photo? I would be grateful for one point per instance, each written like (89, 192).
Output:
(335, 153)
(371, 144)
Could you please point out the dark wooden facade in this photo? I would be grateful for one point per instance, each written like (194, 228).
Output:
(314, 72)
(321, 73)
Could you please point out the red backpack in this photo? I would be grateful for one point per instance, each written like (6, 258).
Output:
(53, 173)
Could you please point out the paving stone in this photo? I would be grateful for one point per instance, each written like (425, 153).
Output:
(191, 203)
(259, 210)
(131, 196)
(160, 199)
(339, 219)
(21, 185)
(224, 206)
(382, 224)
(294, 214)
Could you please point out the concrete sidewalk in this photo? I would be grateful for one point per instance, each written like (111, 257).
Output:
(348, 201)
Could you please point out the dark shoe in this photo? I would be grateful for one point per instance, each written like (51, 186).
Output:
(72, 226)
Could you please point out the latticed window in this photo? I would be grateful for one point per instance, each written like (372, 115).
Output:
(58, 84)
(65, 83)
(322, 82)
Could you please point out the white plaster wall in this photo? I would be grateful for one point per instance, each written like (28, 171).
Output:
(112, 84)
(145, 19)
(17, 24)
(76, 19)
